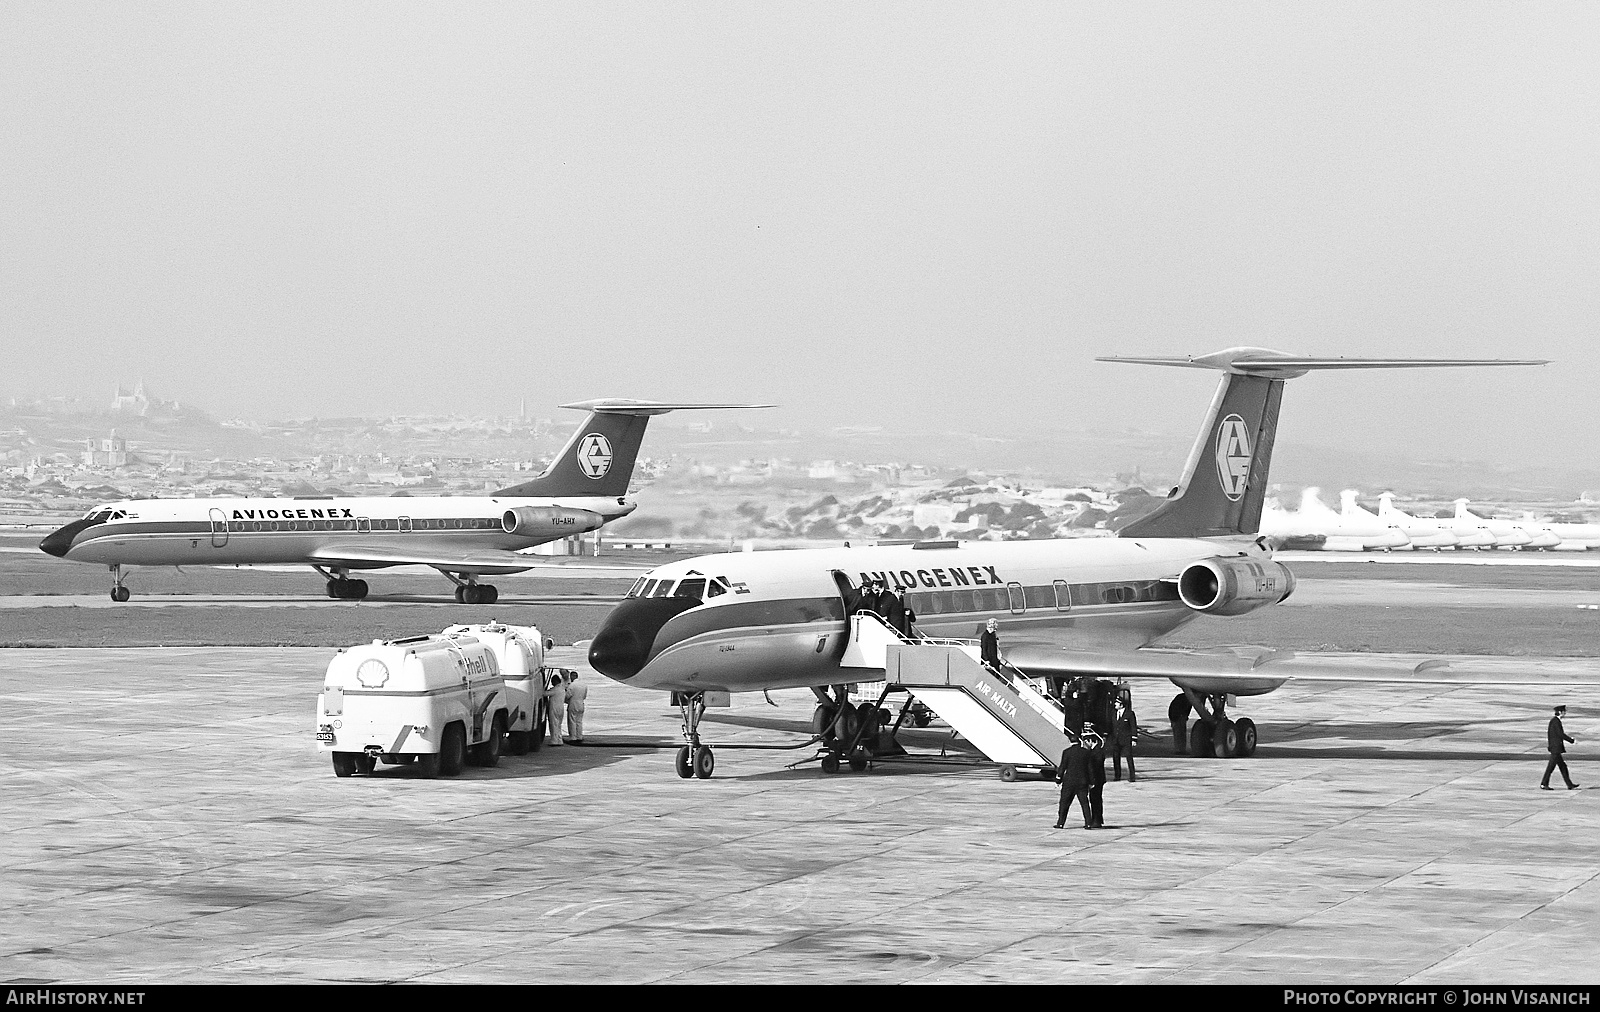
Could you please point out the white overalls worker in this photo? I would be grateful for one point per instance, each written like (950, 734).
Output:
(555, 707)
(577, 694)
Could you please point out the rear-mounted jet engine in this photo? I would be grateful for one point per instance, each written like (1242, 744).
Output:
(1234, 586)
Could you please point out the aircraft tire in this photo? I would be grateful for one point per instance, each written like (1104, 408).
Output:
(365, 763)
(1200, 739)
(830, 763)
(453, 750)
(461, 595)
(1225, 740)
(332, 589)
(344, 764)
(491, 593)
(704, 762)
(1008, 774)
(682, 764)
(358, 589)
(121, 594)
(822, 721)
(1247, 737)
(428, 765)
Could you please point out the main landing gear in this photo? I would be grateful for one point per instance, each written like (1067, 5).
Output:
(470, 591)
(341, 587)
(694, 759)
(119, 593)
(1213, 733)
(850, 733)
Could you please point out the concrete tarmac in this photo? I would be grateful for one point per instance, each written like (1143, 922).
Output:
(166, 817)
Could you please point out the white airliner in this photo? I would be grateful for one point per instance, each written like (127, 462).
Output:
(1507, 533)
(1353, 511)
(463, 537)
(1066, 609)
(1352, 530)
(1434, 531)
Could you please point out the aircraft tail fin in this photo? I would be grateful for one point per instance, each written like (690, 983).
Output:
(598, 460)
(1225, 478)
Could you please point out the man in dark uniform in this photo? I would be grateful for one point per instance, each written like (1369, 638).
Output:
(1124, 733)
(1074, 783)
(1557, 738)
(894, 611)
(989, 645)
(1096, 747)
(1178, 714)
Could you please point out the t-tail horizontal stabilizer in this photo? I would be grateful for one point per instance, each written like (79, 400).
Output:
(598, 459)
(1225, 477)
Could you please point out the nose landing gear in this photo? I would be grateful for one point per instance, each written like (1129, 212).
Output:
(119, 593)
(694, 759)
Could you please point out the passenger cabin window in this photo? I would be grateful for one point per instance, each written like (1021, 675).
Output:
(691, 588)
(663, 589)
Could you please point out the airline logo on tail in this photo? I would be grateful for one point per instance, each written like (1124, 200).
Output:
(594, 455)
(1233, 456)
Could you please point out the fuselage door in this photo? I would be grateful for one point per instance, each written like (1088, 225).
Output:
(219, 528)
(1014, 598)
(1063, 596)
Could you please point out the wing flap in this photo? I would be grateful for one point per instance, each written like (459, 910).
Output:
(479, 562)
(1254, 670)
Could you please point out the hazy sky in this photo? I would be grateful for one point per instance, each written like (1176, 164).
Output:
(916, 213)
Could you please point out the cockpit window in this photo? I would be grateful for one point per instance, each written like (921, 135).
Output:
(663, 589)
(717, 587)
(633, 591)
(649, 585)
(691, 588)
(99, 516)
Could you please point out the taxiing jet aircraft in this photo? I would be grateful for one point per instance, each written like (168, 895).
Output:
(463, 537)
(1066, 608)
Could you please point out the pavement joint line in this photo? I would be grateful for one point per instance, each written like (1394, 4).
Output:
(1508, 924)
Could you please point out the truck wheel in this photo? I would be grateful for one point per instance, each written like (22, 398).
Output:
(344, 763)
(428, 765)
(488, 753)
(453, 750)
(517, 742)
(365, 763)
(681, 763)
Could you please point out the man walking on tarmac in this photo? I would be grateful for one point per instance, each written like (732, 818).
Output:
(577, 699)
(1124, 732)
(1097, 778)
(1074, 783)
(1557, 738)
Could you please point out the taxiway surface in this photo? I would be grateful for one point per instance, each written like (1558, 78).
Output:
(166, 817)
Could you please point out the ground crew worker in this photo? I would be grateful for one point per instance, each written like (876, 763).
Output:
(1178, 713)
(989, 645)
(1074, 783)
(1095, 752)
(578, 694)
(555, 697)
(1124, 733)
(1556, 737)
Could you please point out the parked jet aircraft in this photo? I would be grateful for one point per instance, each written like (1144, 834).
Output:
(1067, 608)
(1507, 533)
(1353, 511)
(1353, 530)
(463, 537)
(1571, 537)
(1430, 529)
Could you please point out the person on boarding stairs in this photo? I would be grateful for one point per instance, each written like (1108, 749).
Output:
(1556, 737)
(1074, 783)
(1124, 734)
(894, 611)
(989, 645)
(577, 696)
(1095, 747)
(555, 696)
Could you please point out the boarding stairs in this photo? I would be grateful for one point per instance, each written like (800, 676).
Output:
(1004, 715)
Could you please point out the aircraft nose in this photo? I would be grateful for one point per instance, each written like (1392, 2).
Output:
(626, 639)
(58, 542)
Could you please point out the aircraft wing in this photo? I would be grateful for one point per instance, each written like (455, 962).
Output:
(1254, 670)
(479, 562)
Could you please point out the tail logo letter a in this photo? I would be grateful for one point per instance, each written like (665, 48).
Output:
(1233, 456)
(594, 455)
